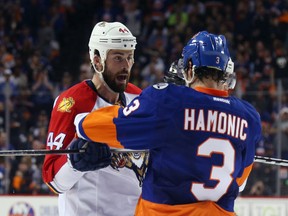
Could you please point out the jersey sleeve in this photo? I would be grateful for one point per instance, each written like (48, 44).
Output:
(56, 171)
(249, 155)
(132, 127)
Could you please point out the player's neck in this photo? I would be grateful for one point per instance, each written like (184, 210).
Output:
(104, 90)
(208, 84)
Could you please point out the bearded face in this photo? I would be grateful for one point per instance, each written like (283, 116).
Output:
(117, 69)
(116, 79)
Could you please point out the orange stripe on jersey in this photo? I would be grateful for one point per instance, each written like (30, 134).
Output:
(52, 189)
(205, 208)
(211, 91)
(99, 126)
(245, 175)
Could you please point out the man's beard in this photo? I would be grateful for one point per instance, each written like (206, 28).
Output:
(110, 79)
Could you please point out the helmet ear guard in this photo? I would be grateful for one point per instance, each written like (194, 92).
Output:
(182, 69)
(230, 75)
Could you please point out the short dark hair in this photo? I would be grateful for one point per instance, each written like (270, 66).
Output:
(96, 52)
(206, 73)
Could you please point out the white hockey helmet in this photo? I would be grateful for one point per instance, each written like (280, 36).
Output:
(110, 35)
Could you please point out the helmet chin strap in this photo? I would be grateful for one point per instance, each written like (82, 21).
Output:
(100, 73)
(188, 82)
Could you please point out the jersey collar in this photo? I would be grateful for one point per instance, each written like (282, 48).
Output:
(211, 91)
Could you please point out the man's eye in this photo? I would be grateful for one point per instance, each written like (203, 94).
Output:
(118, 58)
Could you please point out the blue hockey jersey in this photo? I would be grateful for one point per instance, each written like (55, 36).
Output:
(201, 143)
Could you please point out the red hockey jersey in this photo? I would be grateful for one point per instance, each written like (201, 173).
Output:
(103, 192)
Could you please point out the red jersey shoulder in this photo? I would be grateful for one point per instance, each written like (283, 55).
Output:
(77, 95)
(132, 89)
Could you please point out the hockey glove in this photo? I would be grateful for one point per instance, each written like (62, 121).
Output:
(96, 156)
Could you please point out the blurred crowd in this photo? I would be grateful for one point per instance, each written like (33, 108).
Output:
(43, 51)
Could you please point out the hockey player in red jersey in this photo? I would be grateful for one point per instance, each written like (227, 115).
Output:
(201, 140)
(83, 187)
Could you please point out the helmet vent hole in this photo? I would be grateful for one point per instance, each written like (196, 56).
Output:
(102, 40)
(116, 40)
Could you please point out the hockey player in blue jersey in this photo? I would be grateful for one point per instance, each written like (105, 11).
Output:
(201, 140)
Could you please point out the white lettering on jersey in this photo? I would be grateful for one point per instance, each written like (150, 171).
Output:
(218, 122)
(221, 100)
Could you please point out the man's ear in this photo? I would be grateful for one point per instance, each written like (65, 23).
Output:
(189, 72)
(96, 59)
(98, 63)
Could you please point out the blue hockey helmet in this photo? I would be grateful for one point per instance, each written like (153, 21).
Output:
(209, 50)
(206, 50)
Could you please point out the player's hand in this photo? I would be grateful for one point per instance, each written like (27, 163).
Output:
(96, 156)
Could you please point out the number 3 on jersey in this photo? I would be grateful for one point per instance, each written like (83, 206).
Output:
(129, 109)
(58, 141)
(223, 174)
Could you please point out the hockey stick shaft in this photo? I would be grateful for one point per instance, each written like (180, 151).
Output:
(259, 159)
(40, 152)
(57, 152)
(272, 161)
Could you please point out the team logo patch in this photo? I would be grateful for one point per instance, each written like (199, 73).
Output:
(21, 209)
(123, 30)
(66, 104)
(138, 162)
(160, 85)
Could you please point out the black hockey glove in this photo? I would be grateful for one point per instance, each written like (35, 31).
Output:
(96, 156)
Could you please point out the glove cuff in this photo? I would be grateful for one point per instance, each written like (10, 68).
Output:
(70, 164)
